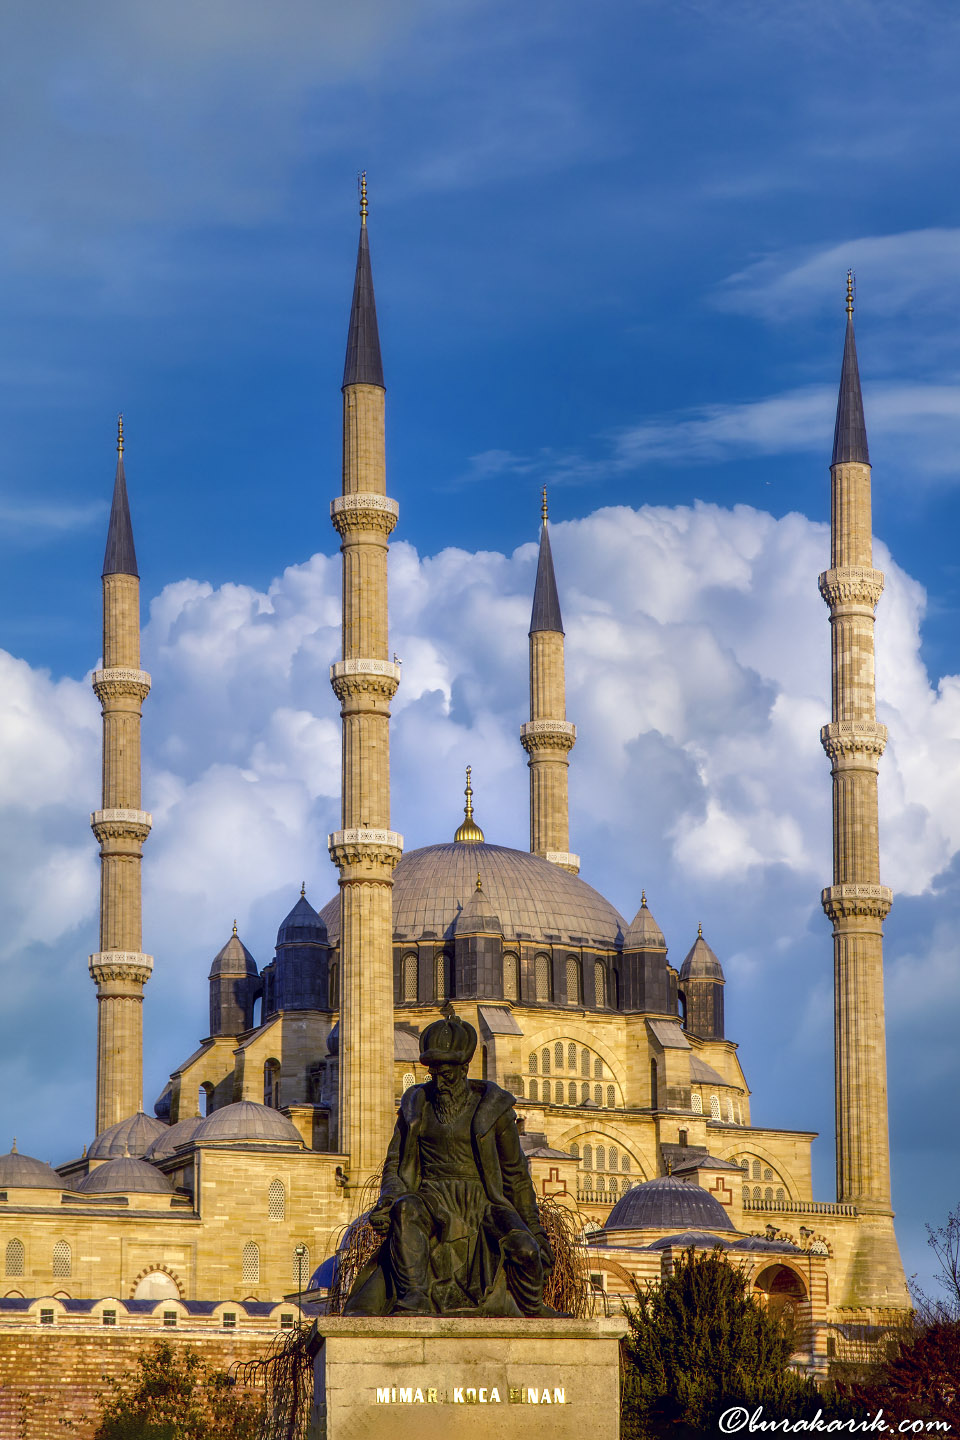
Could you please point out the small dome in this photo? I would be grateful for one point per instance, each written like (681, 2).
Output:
(234, 958)
(130, 1137)
(701, 963)
(173, 1135)
(22, 1172)
(477, 917)
(303, 926)
(246, 1120)
(668, 1203)
(644, 932)
(125, 1176)
(688, 1238)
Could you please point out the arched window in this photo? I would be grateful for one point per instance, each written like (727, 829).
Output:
(625, 1163)
(575, 1152)
(333, 984)
(558, 1055)
(409, 1080)
(768, 1173)
(584, 1094)
(696, 1102)
(61, 1260)
(598, 1068)
(756, 1195)
(534, 1090)
(611, 1097)
(544, 978)
(601, 1184)
(546, 1091)
(545, 1061)
(654, 1085)
(613, 1185)
(572, 1057)
(746, 1194)
(251, 1263)
(271, 1084)
(276, 1200)
(588, 1184)
(600, 983)
(533, 1062)
(300, 1268)
(745, 1165)
(613, 1157)
(768, 1195)
(588, 1157)
(601, 1158)
(484, 1062)
(440, 977)
(571, 1093)
(714, 1107)
(205, 1098)
(756, 1169)
(511, 978)
(585, 1063)
(409, 991)
(781, 1195)
(598, 1094)
(728, 1109)
(573, 981)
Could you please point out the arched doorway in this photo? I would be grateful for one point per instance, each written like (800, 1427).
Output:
(783, 1292)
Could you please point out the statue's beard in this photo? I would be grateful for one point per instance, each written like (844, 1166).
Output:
(449, 1097)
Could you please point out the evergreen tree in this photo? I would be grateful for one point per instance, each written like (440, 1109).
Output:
(698, 1344)
(175, 1395)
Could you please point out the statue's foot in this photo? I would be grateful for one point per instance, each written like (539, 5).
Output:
(542, 1312)
(415, 1302)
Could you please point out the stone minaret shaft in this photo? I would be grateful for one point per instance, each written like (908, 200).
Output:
(365, 850)
(120, 968)
(856, 902)
(548, 736)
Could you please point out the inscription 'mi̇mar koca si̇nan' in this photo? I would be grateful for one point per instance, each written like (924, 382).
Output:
(472, 1395)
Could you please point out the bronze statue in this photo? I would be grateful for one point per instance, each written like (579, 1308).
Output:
(457, 1206)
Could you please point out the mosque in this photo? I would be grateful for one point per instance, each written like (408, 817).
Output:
(218, 1208)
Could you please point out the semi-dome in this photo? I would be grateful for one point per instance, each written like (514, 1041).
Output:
(23, 1172)
(132, 1136)
(303, 926)
(125, 1176)
(246, 1120)
(644, 932)
(701, 963)
(668, 1204)
(233, 959)
(173, 1135)
(530, 897)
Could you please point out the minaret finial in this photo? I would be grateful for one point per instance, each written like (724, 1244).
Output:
(362, 186)
(234, 927)
(468, 792)
(120, 435)
(469, 832)
(13, 1147)
(850, 293)
(643, 898)
(543, 504)
(303, 890)
(699, 932)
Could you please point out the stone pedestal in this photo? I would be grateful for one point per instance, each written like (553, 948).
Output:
(440, 1378)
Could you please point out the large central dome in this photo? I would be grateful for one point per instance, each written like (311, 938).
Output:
(532, 898)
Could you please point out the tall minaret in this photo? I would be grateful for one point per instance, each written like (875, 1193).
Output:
(120, 967)
(548, 736)
(856, 902)
(365, 681)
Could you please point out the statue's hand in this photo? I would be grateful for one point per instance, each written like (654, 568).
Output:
(380, 1216)
(547, 1259)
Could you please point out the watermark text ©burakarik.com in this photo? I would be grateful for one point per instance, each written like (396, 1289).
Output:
(739, 1419)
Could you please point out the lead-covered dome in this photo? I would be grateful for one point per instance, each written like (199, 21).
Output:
(303, 926)
(700, 962)
(530, 897)
(233, 959)
(125, 1176)
(246, 1120)
(173, 1135)
(668, 1204)
(132, 1136)
(23, 1172)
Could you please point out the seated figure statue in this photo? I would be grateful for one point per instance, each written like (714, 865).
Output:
(457, 1206)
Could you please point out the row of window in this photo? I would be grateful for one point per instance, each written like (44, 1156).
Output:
(565, 1057)
(16, 1256)
(567, 1093)
(170, 1318)
(300, 1265)
(732, 1113)
(607, 1185)
(601, 1157)
(443, 987)
(767, 1194)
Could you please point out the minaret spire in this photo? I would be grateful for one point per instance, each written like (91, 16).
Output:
(856, 902)
(548, 737)
(365, 850)
(120, 968)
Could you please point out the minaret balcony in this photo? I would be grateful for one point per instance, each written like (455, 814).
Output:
(854, 744)
(119, 682)
(840, 902)
(364, 510)
(548, 735)
(365, 846)
(353, 677)
(121, 824)
(565, 859)
(120, 967)
(851, 585)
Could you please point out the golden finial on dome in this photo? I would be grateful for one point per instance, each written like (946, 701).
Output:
(849, 292)
(469, 832)
(543, 504)
(13, 1147)
(120, 435)
(303, 890)
(699, 932)
(362, 183)
(643, 899)
(479, 884)
(234, 927)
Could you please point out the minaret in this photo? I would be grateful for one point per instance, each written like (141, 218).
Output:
(856, 902)
(120, 967)
(548, 736)
(365, 850)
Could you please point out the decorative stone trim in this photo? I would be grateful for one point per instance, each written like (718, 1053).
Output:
(353, 847)
(565, 859)
(354, 677)
(365, 510)
(853, 737)
(851, 584)
(121, 824)
(841, 901)
(121, 965)
(548, 735)
(154, 1270)
(118, 680)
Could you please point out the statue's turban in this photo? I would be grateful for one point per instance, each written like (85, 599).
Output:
(447, 1042)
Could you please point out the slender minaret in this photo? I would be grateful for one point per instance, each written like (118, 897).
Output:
(120, 967)
(856, 902)
(365, 681)
(548, 736)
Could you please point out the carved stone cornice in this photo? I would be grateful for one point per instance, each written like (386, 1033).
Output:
(364, 510)
(121, 824)
(565, 859)
(117, 682)
(129, 966)
(842, 901)
(365, 846)
(848, 738)
(548, 735)
(359, 677)
(851, 585)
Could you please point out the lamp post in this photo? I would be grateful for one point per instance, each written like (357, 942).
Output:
(301, 1254)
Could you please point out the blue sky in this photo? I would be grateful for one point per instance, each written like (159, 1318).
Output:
(609, 245)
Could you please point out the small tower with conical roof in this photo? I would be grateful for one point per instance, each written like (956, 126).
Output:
(856, 902)
(548, 736)
(647, 984)
(234, 987)
(365, 849)
(701, 991)
(120, 968)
